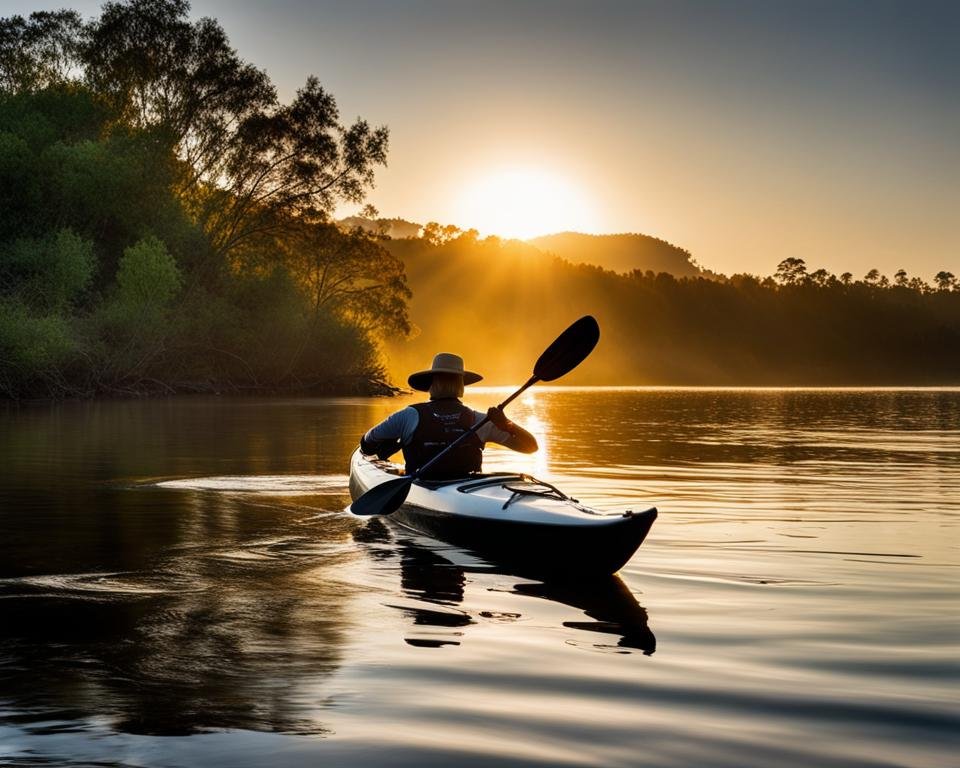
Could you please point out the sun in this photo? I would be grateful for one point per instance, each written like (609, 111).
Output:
(523, 203)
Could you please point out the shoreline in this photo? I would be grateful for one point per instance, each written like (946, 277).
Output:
(348, 386)
(373, 388)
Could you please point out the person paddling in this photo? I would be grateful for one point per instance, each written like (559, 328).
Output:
(423, 430)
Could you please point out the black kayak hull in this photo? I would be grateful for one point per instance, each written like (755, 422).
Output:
(539, 550)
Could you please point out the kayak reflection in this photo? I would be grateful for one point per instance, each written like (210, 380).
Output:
(435, 573)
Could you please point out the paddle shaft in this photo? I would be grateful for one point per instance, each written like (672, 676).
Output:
(530, 382)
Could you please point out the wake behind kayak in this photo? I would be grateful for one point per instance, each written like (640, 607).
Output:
(513, 519)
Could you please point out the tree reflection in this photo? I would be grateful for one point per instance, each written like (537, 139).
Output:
(239, 637)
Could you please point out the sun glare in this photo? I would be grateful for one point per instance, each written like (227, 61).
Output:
(523, 203)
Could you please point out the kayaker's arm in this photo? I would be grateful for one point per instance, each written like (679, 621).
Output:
(386, 438)
(506, 433)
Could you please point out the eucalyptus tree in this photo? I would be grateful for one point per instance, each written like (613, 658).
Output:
(39, 51)
(249, 165)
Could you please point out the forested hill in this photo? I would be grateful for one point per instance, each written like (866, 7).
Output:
(499, 304)
(621, 253)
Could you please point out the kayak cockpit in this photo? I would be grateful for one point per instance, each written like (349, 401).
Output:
(517, 483)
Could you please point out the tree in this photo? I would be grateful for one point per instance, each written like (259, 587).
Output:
(351, 274)
(134, 320)
(250, 165)
(872, 277)
(791, 271)
(438, 234)
(945, 280)
(900, 278)
(38, 52)
(49, 273)
(822, 278)
(846, 278)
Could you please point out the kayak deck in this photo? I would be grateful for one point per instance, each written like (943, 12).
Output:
(514, 519)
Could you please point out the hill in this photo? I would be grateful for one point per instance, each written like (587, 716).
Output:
(617, 253)
(621, 253)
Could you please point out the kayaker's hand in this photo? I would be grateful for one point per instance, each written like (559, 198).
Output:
(382, 449)
(499, 420)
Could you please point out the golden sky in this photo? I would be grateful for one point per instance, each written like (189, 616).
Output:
(745, 132)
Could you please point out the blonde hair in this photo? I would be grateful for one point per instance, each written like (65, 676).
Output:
(444, 385)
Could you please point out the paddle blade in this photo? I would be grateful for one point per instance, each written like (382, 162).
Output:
(569, 350)
(383, 499)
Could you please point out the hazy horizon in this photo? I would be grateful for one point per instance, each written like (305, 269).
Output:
(743, 132)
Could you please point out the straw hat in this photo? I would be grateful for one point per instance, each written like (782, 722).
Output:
(442, 363)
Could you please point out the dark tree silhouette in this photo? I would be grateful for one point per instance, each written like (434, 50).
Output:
(791, 271)
(945, 281)
(40, 51)
(250, 164)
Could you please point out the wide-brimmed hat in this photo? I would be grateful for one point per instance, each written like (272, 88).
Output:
(442, 363)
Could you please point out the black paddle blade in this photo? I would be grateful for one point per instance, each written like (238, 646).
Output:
(383, 499)
(569, 350)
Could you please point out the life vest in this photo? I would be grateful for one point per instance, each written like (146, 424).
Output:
(441, 422)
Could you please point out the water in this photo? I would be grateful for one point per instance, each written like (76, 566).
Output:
(181, 586)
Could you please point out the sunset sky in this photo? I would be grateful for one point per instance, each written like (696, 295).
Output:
(745, 132)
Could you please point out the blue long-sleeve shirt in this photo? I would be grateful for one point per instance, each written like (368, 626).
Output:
(402, 424)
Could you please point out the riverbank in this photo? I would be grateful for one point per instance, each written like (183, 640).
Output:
(338, 386)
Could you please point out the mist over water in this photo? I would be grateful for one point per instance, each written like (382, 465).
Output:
(180, 584)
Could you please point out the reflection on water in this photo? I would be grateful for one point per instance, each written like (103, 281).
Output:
(215, 635)
(426, 575)
(180, 584)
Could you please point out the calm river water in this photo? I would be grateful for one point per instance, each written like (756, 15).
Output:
(181, 586)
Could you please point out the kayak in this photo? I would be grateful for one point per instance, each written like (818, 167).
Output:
(512, 518)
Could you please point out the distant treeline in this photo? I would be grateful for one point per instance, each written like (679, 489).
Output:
(164, 218)
(499, 303)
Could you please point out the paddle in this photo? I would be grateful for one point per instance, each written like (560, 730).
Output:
(567, 352)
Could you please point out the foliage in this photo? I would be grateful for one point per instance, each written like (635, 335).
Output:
(351, 275)
(33, 346)
(499, 303)
(249, 164)
(134, 320)
(49, 273)
(38, 52)
(163, 214)
(148, 277)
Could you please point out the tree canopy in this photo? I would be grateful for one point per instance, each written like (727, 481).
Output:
(164, 218)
